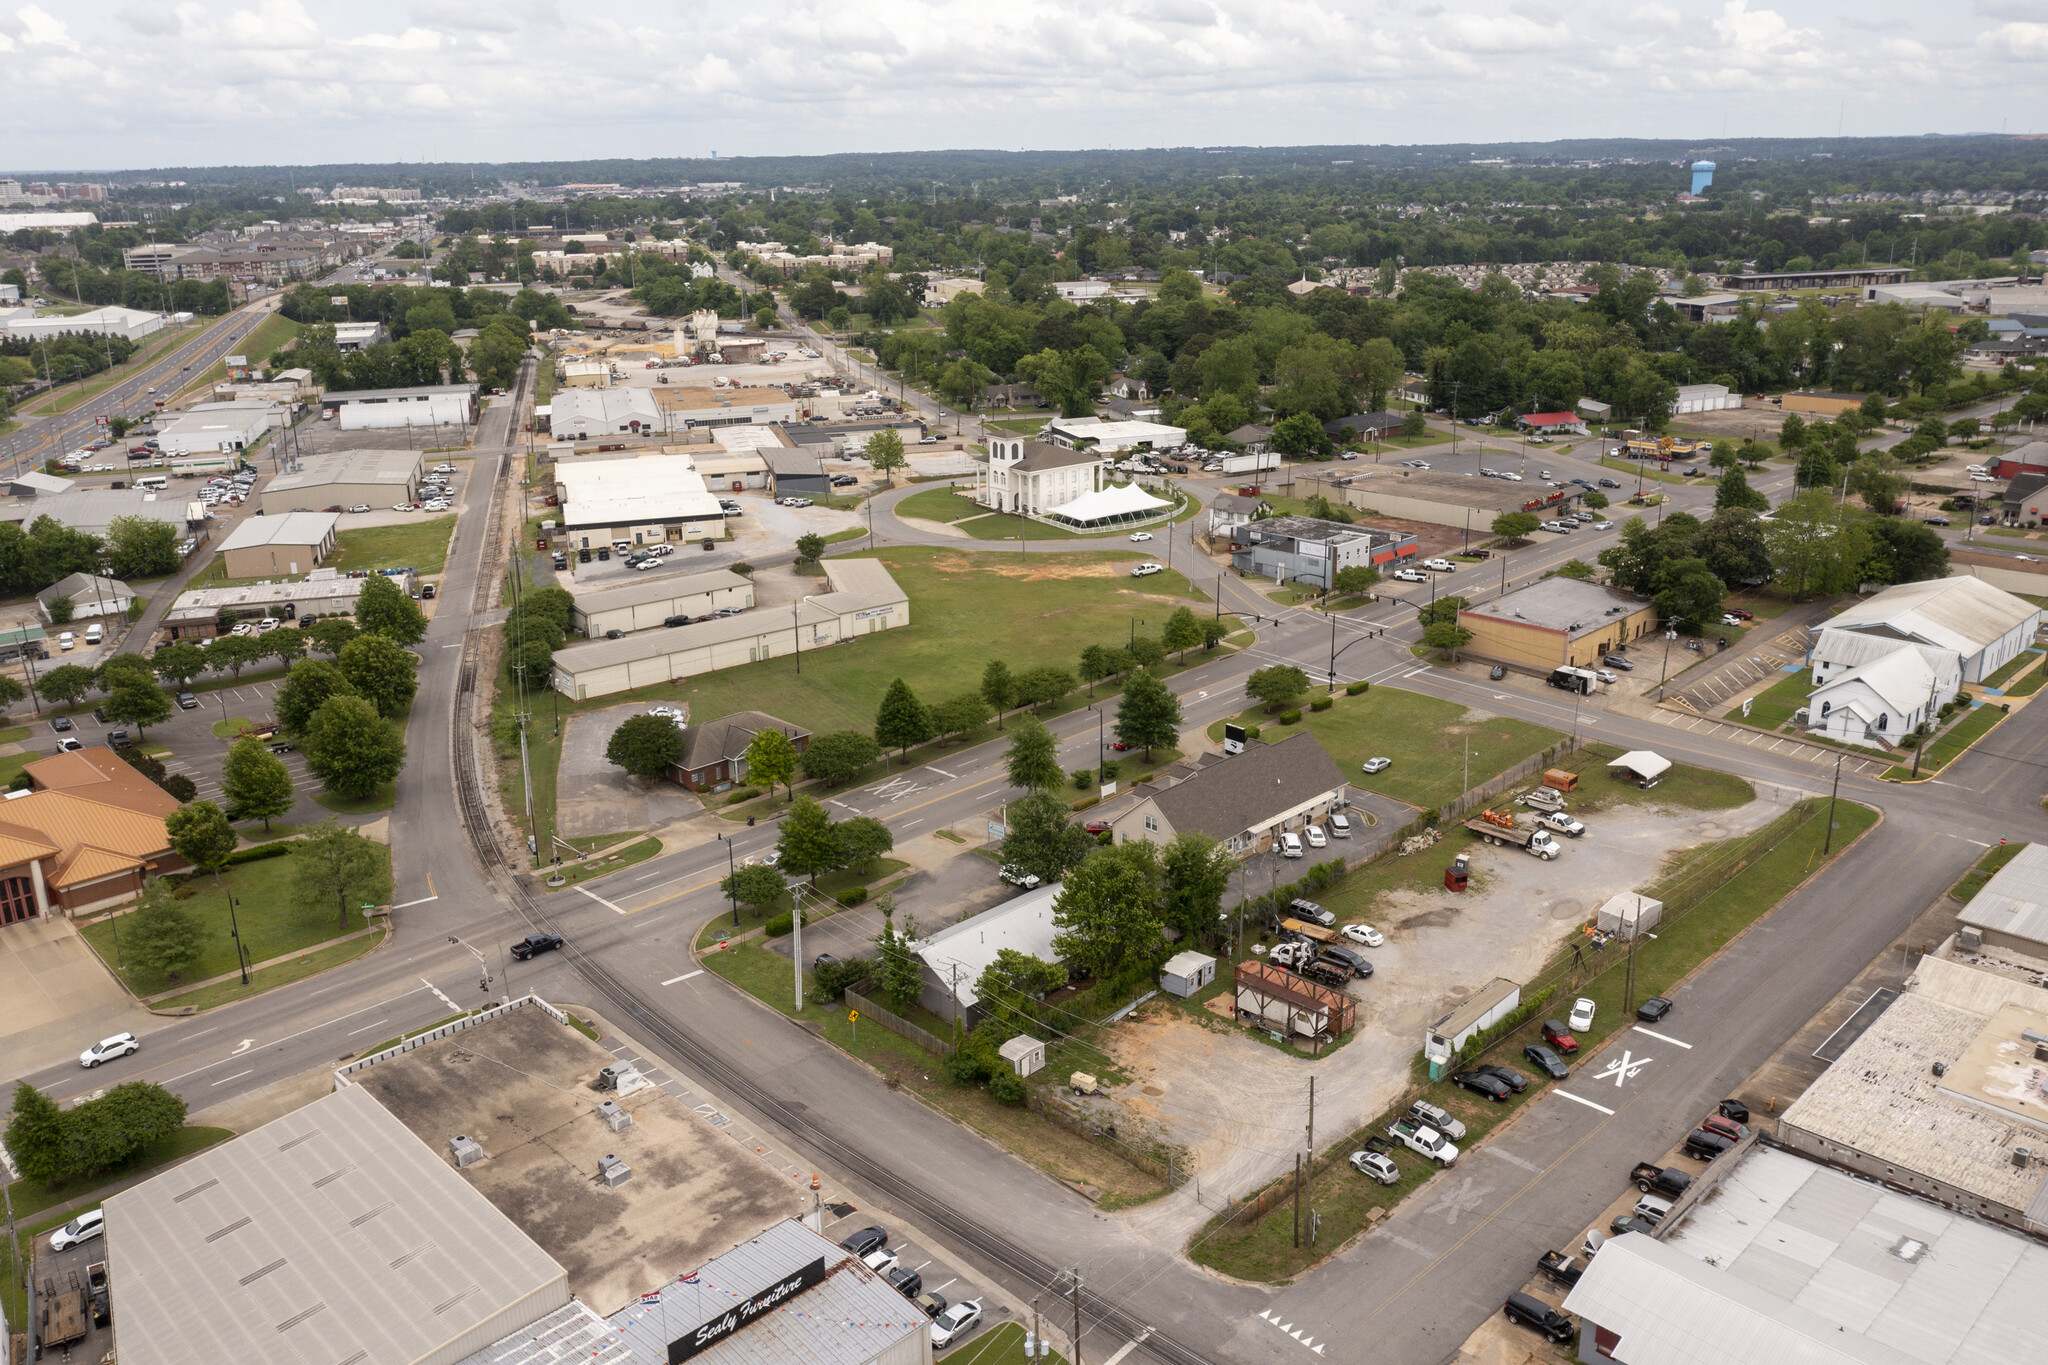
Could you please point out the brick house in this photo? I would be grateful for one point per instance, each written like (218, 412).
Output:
(715, 753)
(82, 837)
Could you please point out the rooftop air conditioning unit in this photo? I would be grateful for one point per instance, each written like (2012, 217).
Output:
(1941, 1068)
(2022, 1157)
(1970, 939)
(467, 1151)
(612, 1170)
(614, 1117)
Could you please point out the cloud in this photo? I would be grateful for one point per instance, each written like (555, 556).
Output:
(150, 22)
(2012, 9)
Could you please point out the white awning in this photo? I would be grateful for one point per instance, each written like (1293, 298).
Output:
(1643, 763)
(1120, 502)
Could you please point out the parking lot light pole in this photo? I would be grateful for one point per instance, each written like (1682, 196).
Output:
(241, 949)
(1098, 739)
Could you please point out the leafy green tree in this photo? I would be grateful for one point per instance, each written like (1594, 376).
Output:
(1733, 546)
(899, 972)
(381, 672)
(1148, 715)
(104, 1133)
(527, 626)
(233, 653)
(645, 745)
(771, 758)
(753, 886)
(1575, 568)
(1042, 687)
(1041, 837)
(1595, 500)
(532, 663)
(902, 720)
(1792, 431)
(385, 609)
(1146, 652)
(1194, 875)
(1014, 981)
(1733, 493)
(309, 683)
(333, 865)
(808, 842)
(810, 548)
(998, 689)
(1183, 630)
(134, 700)
(1033, 759)
(884, 450)
(61, 610)
(35, 1136)
(1300, 434)
(1516, 525)
(1353, 578)
(862, 840)
(958, 714)
(1276, 685)
(1690, 594)
(329, 635)
(202, 836)
(139, 547)
(1816, 468)
(1414, 424)
(158, 938)
(1098, 662)
(179, 663)
(1107, 912)
(838, 756)
(1903, 551)
(256, 782)
(352, 748)
(1723, 455)
(1448, 636)
(551, 601)
(67, 684)
(1876, 478)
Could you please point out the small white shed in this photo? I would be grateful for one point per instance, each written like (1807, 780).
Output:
(1186, 973)
(1629, 914)
(1024, 1053)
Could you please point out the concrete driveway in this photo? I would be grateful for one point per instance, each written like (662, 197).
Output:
(59, 998)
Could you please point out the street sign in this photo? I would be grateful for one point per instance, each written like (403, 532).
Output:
(853, 1016)
(995, 831)
(1745, 706)
(1108, 789)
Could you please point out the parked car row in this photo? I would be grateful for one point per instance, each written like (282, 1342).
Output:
(952, 1321)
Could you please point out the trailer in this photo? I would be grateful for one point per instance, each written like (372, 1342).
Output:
(1303, 929)
(66, 1314)
(1249, 463)
(1498, 828)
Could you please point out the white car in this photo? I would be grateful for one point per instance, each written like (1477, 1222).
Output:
(956, 1322)
(1606, 676)
(1581, 1016)
(881, 1260)
(1147, 569)
(1603, 526)
(1416, 464)
(1735, 621)
(1410, 576)
(1290, 845)
(1377, 765)
(1363, 933)
(1439, 565)
(106, 1049)
(1316, 837)
(1377, 1166)
(1141, 535)
(1982, 478)
(772, 857)
(1975, 469)
(1017, 876)
(1511, 476)
(83, 1228)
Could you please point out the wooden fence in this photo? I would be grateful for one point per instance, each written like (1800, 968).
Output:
(870, 1012)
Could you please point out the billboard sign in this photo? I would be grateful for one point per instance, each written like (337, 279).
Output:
(709, 1334)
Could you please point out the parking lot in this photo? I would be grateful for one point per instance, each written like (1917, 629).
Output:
(64, 1273)
(595, 796)
(935, 1275)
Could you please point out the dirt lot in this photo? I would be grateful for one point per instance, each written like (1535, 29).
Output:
(1759, 420)
(1238, 1102)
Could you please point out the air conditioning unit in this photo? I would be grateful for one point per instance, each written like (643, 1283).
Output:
(1941, 1068)
(1970, 939)
(614, 1117)
(612, 1170)
(2022, 1157)
(467, 1151)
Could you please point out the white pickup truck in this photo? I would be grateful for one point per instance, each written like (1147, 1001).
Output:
(1427, 1141)
(1562, 823)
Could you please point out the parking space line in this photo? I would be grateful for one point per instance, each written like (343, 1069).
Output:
(1568, 1095)
(1662, 1038)
(236, 1077)
(684, 977)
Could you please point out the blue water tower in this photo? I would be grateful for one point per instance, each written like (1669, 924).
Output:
(1702, 175)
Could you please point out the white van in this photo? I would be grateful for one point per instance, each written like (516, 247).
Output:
(67, 641)
(94, 634)
(155, 483)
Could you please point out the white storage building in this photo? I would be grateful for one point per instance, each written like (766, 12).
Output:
(643, 500)
(1704, 398)
(427, 406)
(647, 602)
(579, 414)
(215, 428)
(1985, 626)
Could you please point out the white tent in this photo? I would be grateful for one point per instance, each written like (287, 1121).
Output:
(1107, 506)
(1644, 764)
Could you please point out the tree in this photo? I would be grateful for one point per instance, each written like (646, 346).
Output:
(1904, 552)
(958, 714)
(139, 547)
(1033, 759)
(1300, 434)
(1148, 714)
(1575, 568)
(1816, 468)
(1792, 432)
(1183, 630)
(384, 608)
(135, 700)
(551, 601)
(1815, 546)
(1448, 636)
(1733, 493)
(1194, 873)
(35, 1135)
(808, 843)
(1733, 546)
(1689, 594)
(309, 683)
(810, 548)
(1276, 685)
(179, 663)
(381, 672)
(1098, 662)
(838, 756)
(334, 865)
(771, 758)
(1014, 980)
(1723, 456)
(256, 782)
(1046, 686)
(1414, 424)
(531, 662)
(526, 626)
(1353, 578)
(753, 886)
(1042, 838)
(1516, 525)
(328, 635)
(902, 720)
(645, 745)
(1595, 500)
(1876, 478)
(233, 653)
(1146, 652)
(202, 836)
(884, 450)
(862, 839)
(61, 610)
(998, 689)
(1965, 429)
(67, 684)
(1107, 912)
(351, 748)
(899, 972)
(159, 938)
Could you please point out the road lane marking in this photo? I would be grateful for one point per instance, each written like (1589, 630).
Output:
(407, 905)
(1568, 1095)
(601, 900)
(437, 992)
(941, 772)
(1660, 1038)
(1622, 1069)
(1514, 1160)
(365, 1028)
(684, 977)
(236, 1077)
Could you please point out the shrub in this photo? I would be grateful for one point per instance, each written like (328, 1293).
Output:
(259, 852)
(739, 794)
(1290, 717)
(831, 979)
(1322, 703)
(852, 895)
(743, 568)
(1007, 1087)
(780, 925)
(1091, 801)
(1353, 689)
(1083, 777)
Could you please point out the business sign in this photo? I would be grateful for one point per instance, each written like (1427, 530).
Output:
(872, 611)
(1745, 706)
(710, 1333)
(237, 361)
(338, 300)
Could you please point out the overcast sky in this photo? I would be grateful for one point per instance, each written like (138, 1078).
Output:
(96, 84)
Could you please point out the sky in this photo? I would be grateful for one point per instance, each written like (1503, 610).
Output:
(93, 85)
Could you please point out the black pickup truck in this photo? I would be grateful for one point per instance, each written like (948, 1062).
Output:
(1566, 1270)
(1660, 1179)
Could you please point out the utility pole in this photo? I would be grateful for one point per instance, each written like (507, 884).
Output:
(1297, 1199)
(1077, 1315)
(1928, 724)
(1828, 844)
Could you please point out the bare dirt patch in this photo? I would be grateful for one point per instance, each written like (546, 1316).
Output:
(1029, 571)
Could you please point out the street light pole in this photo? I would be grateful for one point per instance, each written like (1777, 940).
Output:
(1099, 755)
(241, 949)
(732, 883)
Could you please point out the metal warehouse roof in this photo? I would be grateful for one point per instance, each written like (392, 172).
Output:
(332, 1234)
(2015, 901)
(1963, 614)
(661, 588)
(293, 528)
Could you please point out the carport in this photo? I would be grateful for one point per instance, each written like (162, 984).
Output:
(1645, 766)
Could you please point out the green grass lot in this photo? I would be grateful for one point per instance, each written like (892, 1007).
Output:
(1772, 708)
(1023, 426)
(1424, 736)
(384, 798)
(259, 346)
(637, 852)
(283, 974)
(1951, 742)
(1003, 1346)
(418, 545)
(2028, 684)
(2014, 666)
(1987, 866)
(850, 533)
(983, 524)
(272, 923)
(1262, 1249)
(940, 504)
(830, 884)
(1684, 785)
(14, 734)
(1643, 466)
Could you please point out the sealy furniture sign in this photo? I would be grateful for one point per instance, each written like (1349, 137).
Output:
(709, 1334)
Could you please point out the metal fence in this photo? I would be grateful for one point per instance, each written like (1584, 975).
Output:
(449, 1029)
(1484, 793)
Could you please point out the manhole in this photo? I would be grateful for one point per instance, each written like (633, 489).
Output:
(1154, 1091)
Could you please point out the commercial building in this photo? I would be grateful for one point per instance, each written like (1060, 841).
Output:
(1553, 423)
(714, 754)
(1450, 499)
(1704, 398)
(1707, 307)
(92, 597)
(81, 837)
(2026, 496)
(196, 615)
(2009, 913)
(331, 1234)
(1092, 433)
(215, 428)
(427, 406)
(132, 323)
(345, 478)
(687, 406)
(1243, 802)
(954, 958)
(1818, 279)
(1306, 550)
(1365, 426)
(643, 499)
(92, 510)
(294, 543)
(1556, 622)
(795, 472)
(578, 414)
(864, 598)
(650, 602)
(1033, 477)
(1986, 627)
(354, 336)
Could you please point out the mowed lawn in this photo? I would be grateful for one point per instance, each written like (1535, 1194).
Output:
(1425, 736)
(421, 546)
(940, 504)
(966, 608)
(1773, 707)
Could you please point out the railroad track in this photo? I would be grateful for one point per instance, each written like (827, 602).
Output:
(733, 1084)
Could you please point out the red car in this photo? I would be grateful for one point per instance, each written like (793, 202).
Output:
(1118, 745)
(138, 450)
(1097, 827)
(1555, 1035)
(1727, 1128)
(1738, 613)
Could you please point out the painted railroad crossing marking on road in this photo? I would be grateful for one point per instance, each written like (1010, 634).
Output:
(1270, 1316)
(895, 789)
(1464, 1199)
(1623, 1068)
